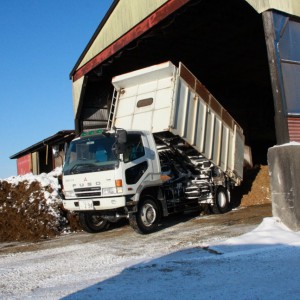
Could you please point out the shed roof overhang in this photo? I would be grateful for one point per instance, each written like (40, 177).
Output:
(57, 138)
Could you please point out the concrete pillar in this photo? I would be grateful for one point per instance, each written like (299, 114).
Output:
(284, 168)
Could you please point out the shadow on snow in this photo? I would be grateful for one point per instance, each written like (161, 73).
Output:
(241, 271)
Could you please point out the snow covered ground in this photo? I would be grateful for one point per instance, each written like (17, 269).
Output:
(262, 264)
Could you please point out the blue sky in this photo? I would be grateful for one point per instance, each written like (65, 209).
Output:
(40, 43)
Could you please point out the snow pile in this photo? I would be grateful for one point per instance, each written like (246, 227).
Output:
(271, 232)
(30, 207)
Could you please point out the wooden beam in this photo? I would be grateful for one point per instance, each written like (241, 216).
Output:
(281, 126)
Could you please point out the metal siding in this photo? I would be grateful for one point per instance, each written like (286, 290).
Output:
(294, 129)
(282, 38)
(290, 39)
(161, 13)
(217, 141)
(239, 151)
(24, 164)
(291, 75)
(291, 7)
(126, 15)
(200, 128)
(224, 147)
(77, 88)
(289, 52)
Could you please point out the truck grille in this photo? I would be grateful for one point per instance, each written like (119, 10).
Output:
(88, 192)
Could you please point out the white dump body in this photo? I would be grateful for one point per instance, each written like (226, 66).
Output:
(165, 98)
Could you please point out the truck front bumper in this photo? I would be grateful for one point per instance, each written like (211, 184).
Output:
(94, 204)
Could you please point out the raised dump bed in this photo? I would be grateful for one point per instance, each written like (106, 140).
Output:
(165, 98)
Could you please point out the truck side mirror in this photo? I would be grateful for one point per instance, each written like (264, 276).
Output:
(55, 150)
(121, 140)
(66, 146)
(121, 136)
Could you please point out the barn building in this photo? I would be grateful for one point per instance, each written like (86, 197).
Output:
(246, 52)
(38, 158)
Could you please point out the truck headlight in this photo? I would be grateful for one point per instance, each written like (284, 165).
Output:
(69, 194)
(111, 190)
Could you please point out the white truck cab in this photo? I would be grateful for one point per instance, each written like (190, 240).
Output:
(102, 174)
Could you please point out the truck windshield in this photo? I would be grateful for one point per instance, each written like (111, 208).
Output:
(90, 154)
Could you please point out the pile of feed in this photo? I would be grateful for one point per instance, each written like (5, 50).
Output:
(256, 188)
(31, 209)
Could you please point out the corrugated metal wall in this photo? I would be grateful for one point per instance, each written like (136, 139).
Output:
(288, 60)
(294, 129)
(289, 54)
(24, 164)
(126, 15)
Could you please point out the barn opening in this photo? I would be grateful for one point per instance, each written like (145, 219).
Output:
(222, 43)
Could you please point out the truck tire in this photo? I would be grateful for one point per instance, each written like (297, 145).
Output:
(92, 223)
(147, 218)
(221, 203)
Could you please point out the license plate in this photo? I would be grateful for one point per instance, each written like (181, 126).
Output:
(88, 204)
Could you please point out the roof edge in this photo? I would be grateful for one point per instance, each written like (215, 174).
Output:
(291, 7)
(153, 19)
(39, 145)
(100, 26)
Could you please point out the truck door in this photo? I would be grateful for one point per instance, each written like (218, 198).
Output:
(135, 160)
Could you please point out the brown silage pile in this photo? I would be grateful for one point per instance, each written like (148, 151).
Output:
(30, 211)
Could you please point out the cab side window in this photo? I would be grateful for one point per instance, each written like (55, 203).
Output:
(134, 148)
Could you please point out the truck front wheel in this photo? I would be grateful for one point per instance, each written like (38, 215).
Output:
(147, 218)
(92, 223)
(221, 203)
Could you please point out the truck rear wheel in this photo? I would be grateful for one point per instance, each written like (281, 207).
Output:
(92, 223)
(147, 218)
(221, 203)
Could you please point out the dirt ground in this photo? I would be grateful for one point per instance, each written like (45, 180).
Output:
(25, 214)
(205, 228)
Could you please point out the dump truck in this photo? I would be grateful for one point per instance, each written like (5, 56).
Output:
(169, 146)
